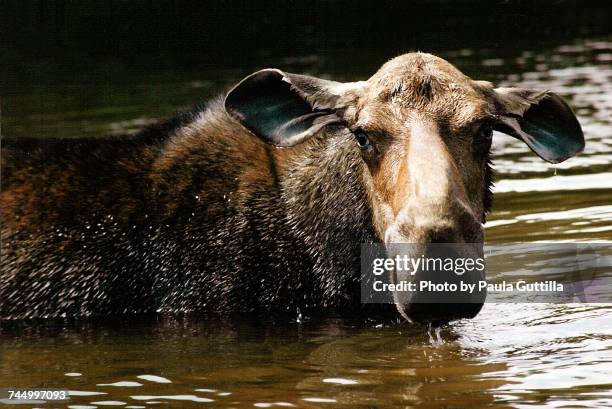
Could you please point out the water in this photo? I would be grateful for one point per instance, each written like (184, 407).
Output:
(511, 355)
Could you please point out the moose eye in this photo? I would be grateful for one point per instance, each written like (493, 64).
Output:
(361, 138)
(485, 134)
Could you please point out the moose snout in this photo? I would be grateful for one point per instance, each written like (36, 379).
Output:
(441, 229)
(434, 220)
(445, 280)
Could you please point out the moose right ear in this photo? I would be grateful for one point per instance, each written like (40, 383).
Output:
(272, 107)
(541, 119)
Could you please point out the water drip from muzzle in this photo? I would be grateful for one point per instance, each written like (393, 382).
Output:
(435, 336)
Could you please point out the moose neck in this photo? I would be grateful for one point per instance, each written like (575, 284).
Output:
(327, 205)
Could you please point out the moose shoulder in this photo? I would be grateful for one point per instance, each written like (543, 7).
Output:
(260, 201)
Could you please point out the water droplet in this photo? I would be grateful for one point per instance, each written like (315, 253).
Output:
(435, 336)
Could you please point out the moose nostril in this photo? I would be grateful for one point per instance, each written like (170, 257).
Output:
(443, 235)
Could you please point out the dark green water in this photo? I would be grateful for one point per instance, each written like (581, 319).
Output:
(72, 73)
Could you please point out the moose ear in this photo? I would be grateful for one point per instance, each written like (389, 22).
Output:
(272, 106)
(542, 120)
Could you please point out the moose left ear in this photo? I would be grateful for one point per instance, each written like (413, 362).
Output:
(280, 108)
(541, 119)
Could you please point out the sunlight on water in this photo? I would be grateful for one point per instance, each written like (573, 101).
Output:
(121, 384)
(154, 378)
(555, 183)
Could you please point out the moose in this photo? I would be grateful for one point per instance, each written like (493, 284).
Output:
(259, 201)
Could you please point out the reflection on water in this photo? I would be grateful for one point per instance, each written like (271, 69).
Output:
(511, 355)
